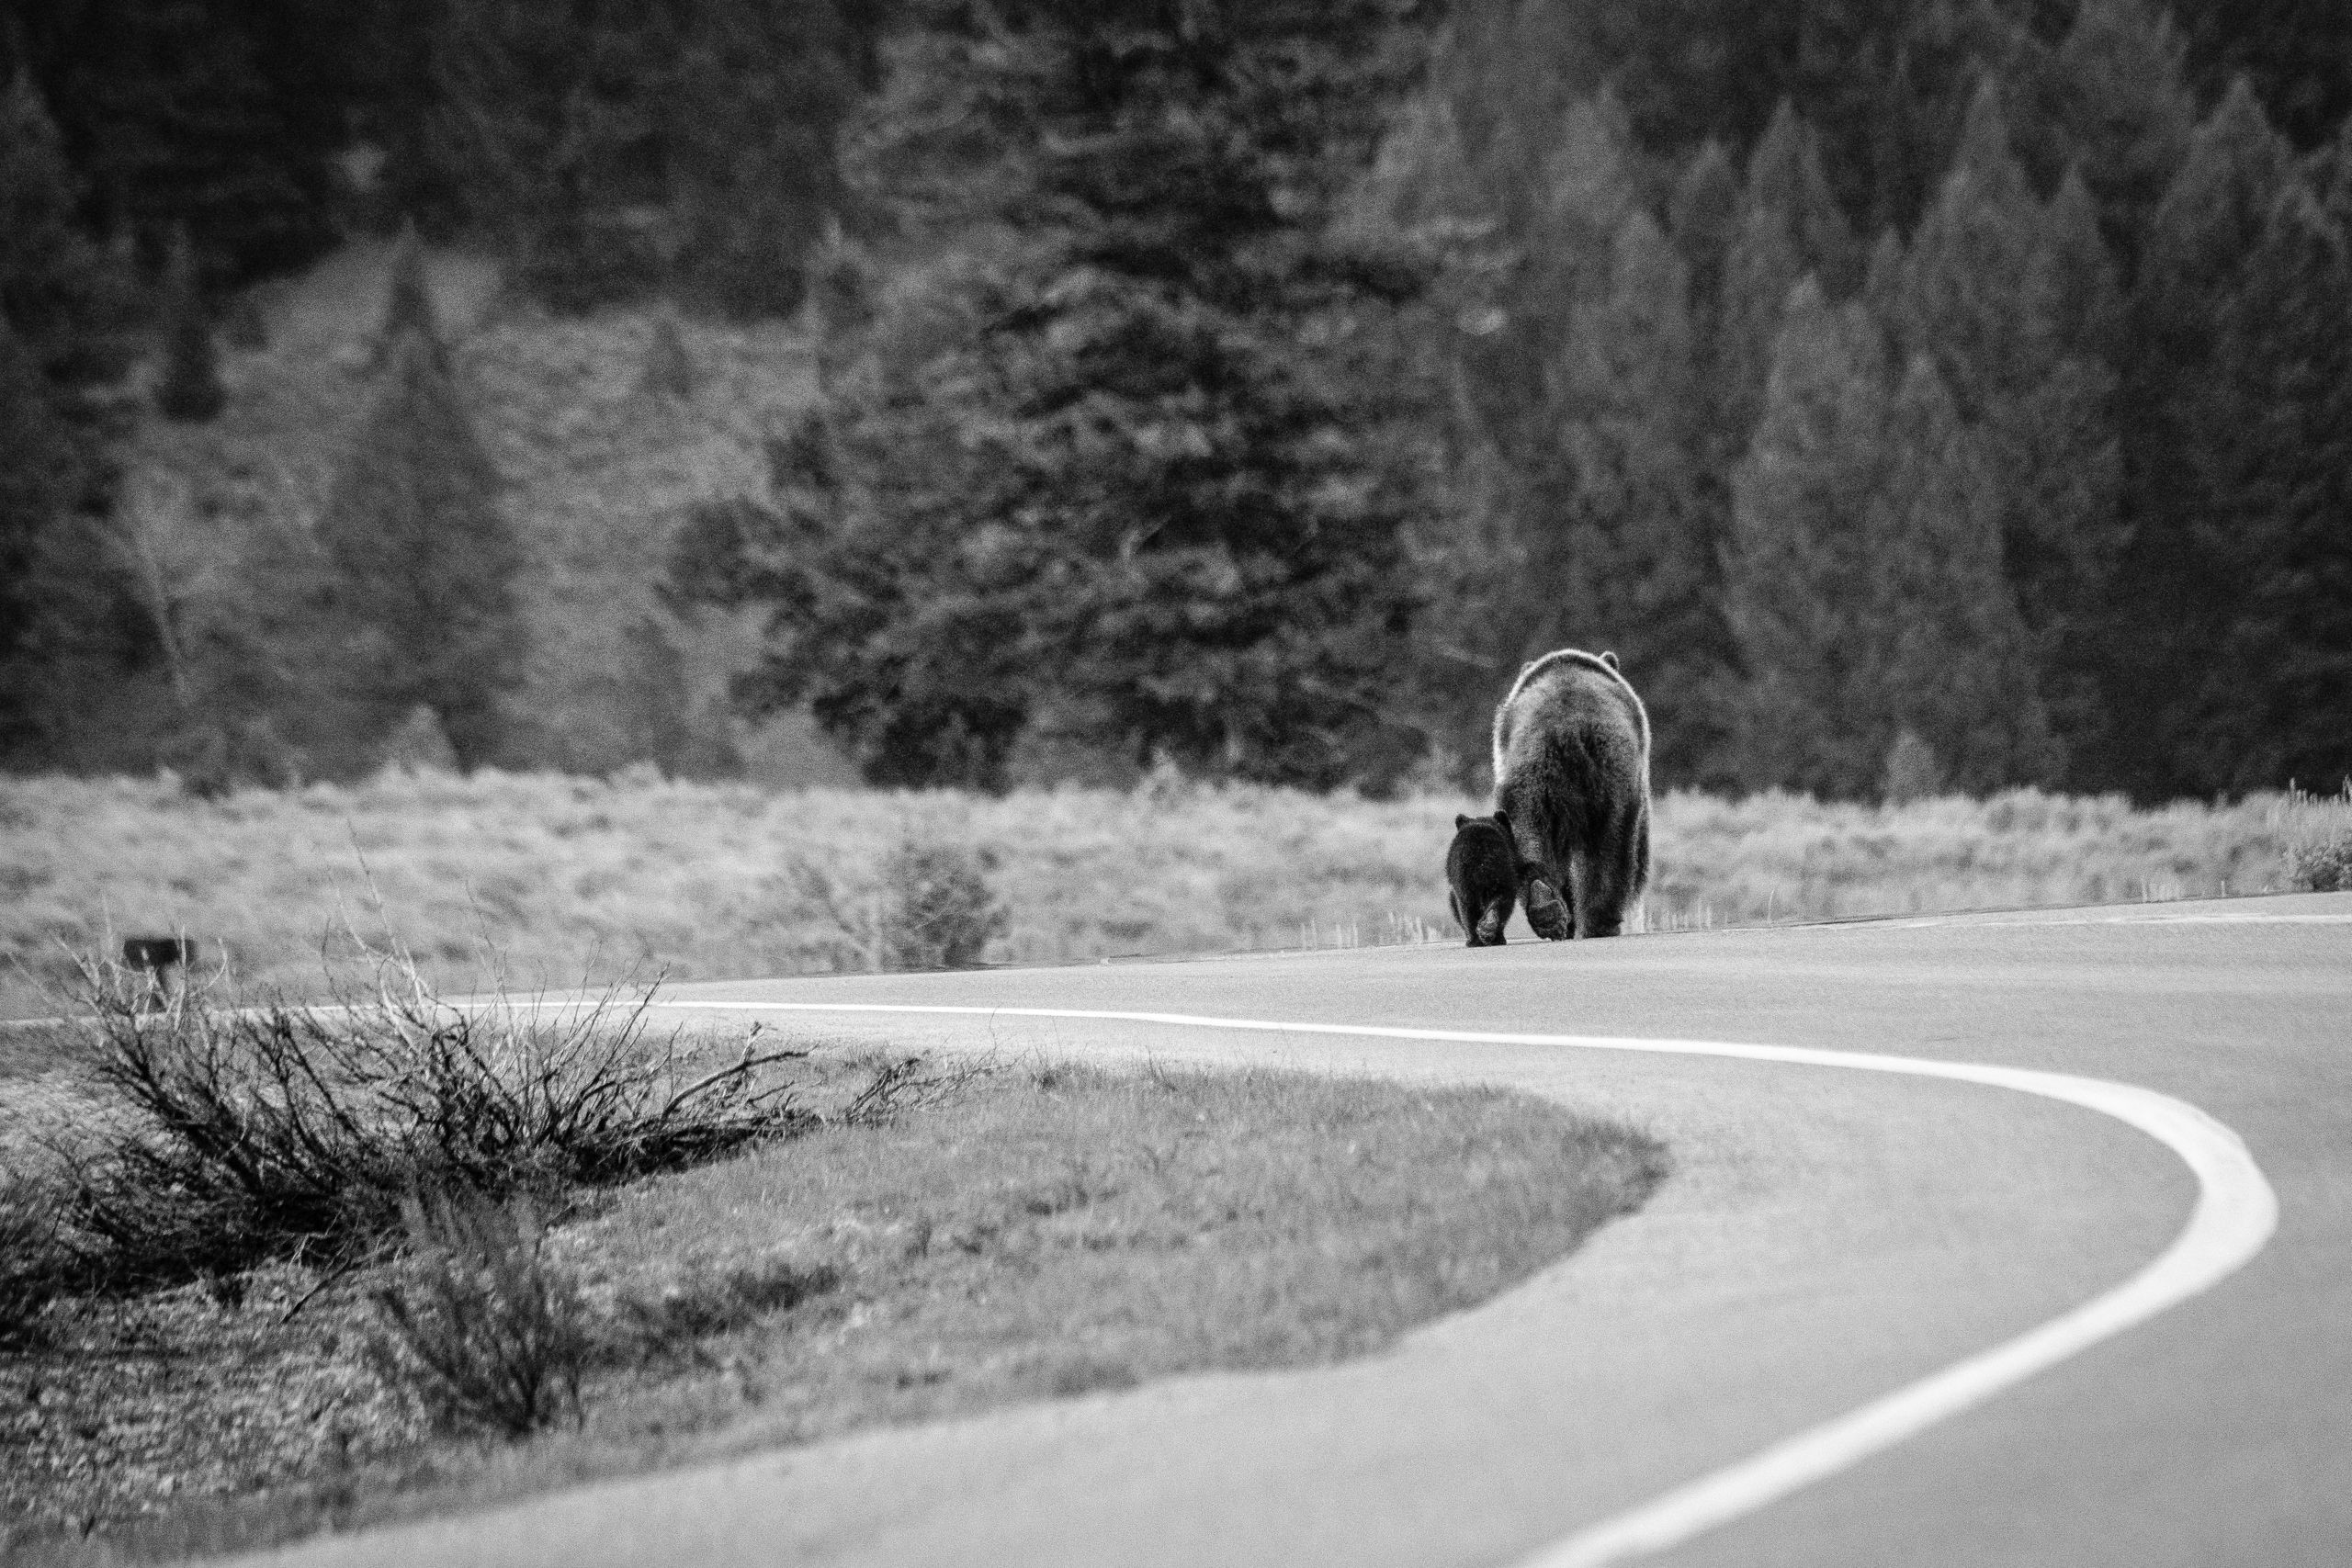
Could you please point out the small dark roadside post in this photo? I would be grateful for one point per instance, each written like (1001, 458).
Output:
(164, 960)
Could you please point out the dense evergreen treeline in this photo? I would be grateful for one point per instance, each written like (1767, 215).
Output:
(1951, 390)
(1951, 383)
(1979, 388)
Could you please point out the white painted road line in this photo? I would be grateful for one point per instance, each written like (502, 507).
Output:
(2234, 1214)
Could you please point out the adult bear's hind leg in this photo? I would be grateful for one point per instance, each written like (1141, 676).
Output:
(1608, 874)
(1550, 915)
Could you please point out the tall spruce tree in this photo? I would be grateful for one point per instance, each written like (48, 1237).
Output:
(2275, 700)
(2162, 620)
(1953, 664)
(1785, 176)
(68, 320)
(1978, 297)
(43, 476)
(426, 559)
(1701, 216)
(1789, 227)
(1797, 570)
(2292, 52)
(2076, 283)
(2120, 111)
(761, 89)
(1143, 483)
(69, 300)
(1629, 558)
(1761, 266)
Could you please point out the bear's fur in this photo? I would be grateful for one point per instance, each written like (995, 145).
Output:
(1572, 771)
(1482, 868)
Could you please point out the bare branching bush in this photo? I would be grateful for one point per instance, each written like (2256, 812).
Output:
(930, 906)
(278, 1130)
(483, 1328)
(898, 1085)
(33, 1264)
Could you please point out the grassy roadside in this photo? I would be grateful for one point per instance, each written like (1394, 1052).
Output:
(1043, 1231)
(703, 881)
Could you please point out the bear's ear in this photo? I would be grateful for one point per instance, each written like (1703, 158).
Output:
(1460, 821)
(1609, 659)
(1503, 821)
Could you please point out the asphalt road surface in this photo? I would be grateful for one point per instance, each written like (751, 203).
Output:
(1829, 1236)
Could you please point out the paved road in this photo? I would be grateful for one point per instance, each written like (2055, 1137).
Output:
(1829, 1236)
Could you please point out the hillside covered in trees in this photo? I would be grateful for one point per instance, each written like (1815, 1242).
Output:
(1952, 394)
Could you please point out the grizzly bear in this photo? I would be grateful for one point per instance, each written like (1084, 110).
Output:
(1482, 868)
(1572, 771)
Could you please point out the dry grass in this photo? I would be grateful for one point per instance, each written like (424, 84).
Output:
(703, 881)
(1047, 1232)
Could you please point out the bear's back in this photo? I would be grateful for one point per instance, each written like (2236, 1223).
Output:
(1570, 692)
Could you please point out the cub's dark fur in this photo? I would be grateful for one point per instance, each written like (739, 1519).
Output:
(1572, 770)
(1482, 867)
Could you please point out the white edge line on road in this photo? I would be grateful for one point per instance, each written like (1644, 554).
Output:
(2234, 1214)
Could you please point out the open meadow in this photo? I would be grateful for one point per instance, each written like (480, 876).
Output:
(567, 878)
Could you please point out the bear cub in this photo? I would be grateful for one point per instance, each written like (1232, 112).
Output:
(1482, 867)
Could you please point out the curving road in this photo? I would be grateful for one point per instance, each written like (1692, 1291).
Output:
(1829, 1236)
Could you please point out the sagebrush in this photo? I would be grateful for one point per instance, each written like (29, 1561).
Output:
(276, 1129)
(31, 1267)
(481, 1323)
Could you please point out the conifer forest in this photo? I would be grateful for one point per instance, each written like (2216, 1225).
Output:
(1923, 396)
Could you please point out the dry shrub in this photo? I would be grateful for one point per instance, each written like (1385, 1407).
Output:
(276, 1129)
(929, 907)
(944, 913)
(33, 1261)
(481, 1326)
(2323, 867)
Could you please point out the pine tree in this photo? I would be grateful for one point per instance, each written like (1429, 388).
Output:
(1981, 291)
(1785, 177)
(1788, 228)
(2074, 283)
(1702, 215)
(191, 389)
(1953, 663)
(2122, 112)
(43, 472)
(2276, 694)
(69, 299)
(1561, 202)
(427, 560)
(1626, 559)
(2161, 623)
(762, 90)
(1143, 481)
(1964, 296)
(1760, 269)
(1797, 577)
(2293, 55)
